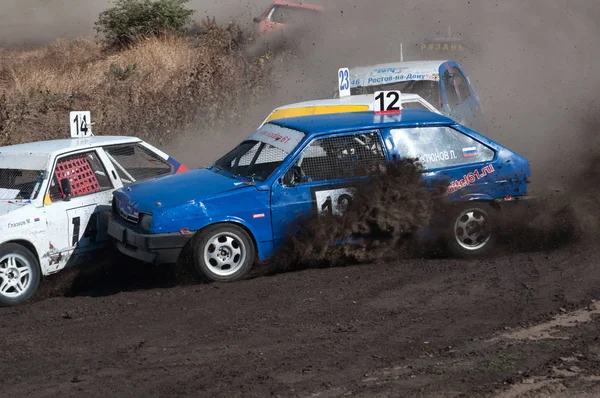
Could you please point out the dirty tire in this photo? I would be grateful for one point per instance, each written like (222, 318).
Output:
(223, 253)
(19, 274)
(472, 230)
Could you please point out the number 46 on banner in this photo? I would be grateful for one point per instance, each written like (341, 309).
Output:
(81, 124)
(387, 102)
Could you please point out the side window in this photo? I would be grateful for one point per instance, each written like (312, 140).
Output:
(437, 147)
(341, 157)
(84, 170)
(451, 93)
(135, 162)
(461, 85)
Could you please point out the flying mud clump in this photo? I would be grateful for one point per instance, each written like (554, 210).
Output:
(385, 215)
(568, 211)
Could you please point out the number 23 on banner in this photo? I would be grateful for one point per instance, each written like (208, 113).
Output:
(387, 102)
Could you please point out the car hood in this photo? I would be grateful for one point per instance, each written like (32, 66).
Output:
(176, 189)
(9, 206)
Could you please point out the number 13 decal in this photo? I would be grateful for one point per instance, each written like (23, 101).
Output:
(333, 201)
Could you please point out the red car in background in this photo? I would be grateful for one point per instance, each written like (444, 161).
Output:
(284, 13)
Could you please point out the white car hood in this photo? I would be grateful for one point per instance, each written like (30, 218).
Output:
(9, 206)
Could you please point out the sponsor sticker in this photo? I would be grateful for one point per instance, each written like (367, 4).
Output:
(19, 223)
(469, 179)
(279, 137)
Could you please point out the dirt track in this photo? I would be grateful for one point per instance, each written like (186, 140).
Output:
(428, 327)
(414, 328)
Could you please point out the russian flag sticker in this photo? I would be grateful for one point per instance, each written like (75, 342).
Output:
(469, 152)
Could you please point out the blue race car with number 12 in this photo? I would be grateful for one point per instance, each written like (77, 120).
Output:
(239, 209)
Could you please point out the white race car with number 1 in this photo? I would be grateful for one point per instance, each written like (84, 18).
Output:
(53, 198)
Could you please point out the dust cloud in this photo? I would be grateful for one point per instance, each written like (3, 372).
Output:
(536, 65)
(38, 22)
(536, 69)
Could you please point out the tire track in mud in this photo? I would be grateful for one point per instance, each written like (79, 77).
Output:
(409, 327)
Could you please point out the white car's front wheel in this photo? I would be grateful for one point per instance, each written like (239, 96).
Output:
(19, 274)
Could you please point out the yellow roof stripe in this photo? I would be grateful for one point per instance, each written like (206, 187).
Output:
(315, 110)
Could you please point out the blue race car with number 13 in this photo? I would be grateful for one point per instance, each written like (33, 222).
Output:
(239, 209)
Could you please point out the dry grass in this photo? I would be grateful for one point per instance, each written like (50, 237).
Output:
(150, 90)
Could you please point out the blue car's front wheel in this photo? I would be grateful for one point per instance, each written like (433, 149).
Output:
(223, 253)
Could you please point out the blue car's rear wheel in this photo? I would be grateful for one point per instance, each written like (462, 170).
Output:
(224, 253)
(472, 230)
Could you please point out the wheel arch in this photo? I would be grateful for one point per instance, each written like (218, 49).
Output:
(230, 222)
(479, 198)
(28, 245)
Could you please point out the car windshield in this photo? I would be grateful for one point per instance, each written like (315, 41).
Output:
(262, 153)
(19, 184)
(426, 89)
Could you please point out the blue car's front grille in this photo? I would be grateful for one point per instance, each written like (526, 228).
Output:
(125, 211)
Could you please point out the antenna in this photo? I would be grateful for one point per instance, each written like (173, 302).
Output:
(401, 53)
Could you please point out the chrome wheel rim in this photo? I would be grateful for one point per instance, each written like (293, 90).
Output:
(472, 229)
(15, 275)
(224, 253)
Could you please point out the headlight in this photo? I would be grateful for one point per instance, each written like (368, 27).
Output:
(145, 221)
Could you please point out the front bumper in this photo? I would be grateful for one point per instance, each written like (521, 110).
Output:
(150, 248)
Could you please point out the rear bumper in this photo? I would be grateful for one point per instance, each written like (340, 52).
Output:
(517, 201)
(150, 248)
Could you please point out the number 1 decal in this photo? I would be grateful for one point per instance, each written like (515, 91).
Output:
(387, 102)
(76, 224)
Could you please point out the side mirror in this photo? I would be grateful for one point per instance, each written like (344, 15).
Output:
(289, 179)
(256, 19)
(65, 185)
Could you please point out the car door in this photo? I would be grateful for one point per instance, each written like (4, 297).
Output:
(323, 177)
(74, 222)
(459, 100)
(470, 98)
(450, 157)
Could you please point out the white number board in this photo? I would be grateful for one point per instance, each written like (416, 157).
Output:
(387, 102)
(344, 82)
(81, 124)
(334, 201)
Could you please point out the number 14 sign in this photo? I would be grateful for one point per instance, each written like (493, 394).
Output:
(387, 102)
(81, 124)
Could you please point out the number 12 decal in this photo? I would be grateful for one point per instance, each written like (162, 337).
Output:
(385, 102)
(333, 201)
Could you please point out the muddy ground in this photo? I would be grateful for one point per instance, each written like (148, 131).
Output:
(424, 327)
(430, 327)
